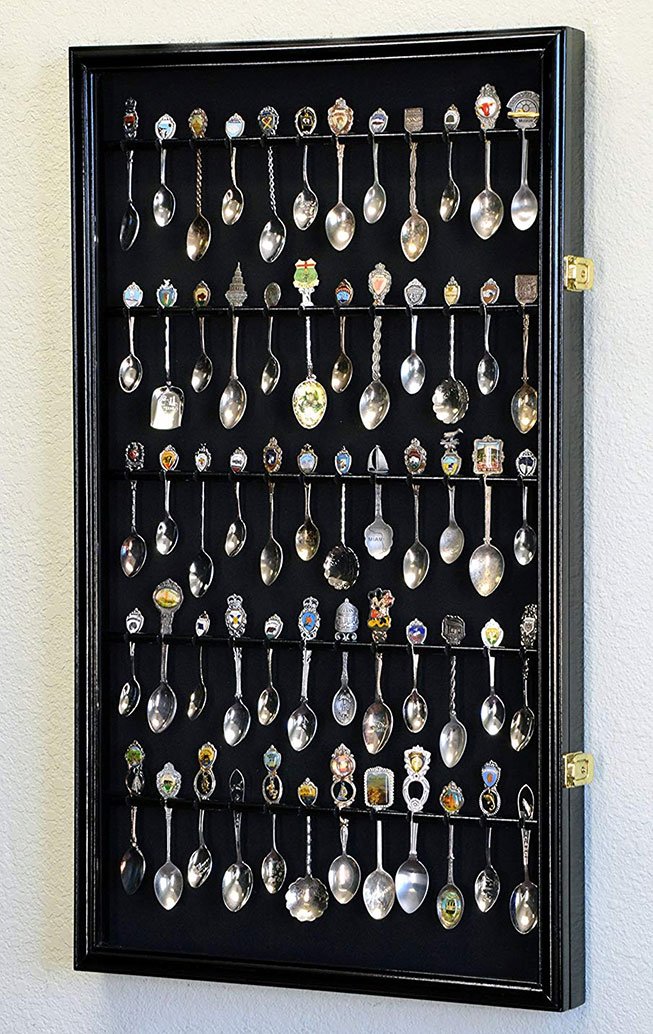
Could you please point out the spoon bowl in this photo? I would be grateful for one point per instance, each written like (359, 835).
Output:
(453, 740)
(130, 373)
(305, 208)
(273, 238)
(379, 893)
(486, 213)
(340, 225)
(524, 408)
(168, 885)
(132, 869)
(412, 373)
(307, 899)
(271, 561)
(270, 374)
(163, 205)
(524, 907)
(412, 884)
(450, 400)
(374, 405)
(232, 205)
(198, 237)
(525, 544)
(450, 201)
(202, 372)
(268, 705)
(133, 553)
(130, 697)
(415, 711)
(487, 373)
(237, 884)
(377, 726)
(416, 564)
(450, 906)
(522, 727)
(374, 203)
(200, 864)
(129, 226)
(414, 236)
(523, 209)
(341, 566)
(486, 888)
(161, 707)
(232, 403)
(167, 535)
(486, 567)
(344, 878)
(341, 373)
(196, 701)
(200, 574)
(493, 714)
(302, 726)
(307, 540)
(452, 541)
(236, 722)
(273, 871)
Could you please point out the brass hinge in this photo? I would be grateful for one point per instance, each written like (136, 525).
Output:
(579, 769)
(578, 273)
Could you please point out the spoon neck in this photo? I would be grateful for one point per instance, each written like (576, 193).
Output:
(524, 159)
(201, 321)
(488, 845)
(416, 508)
(487, 317)
(524, 501)
(164, 662)
(130, 172)
(200, 662)
(232, 165)
(450, 854)
(488, 161)
(343, 510)
(449, 159)
(376, 348)
(452, 344)
(238, 819)
(164, 155)
(198, 180)
(412, 187)
(202, 514)
(491, 667)
(168, 811)
(487, 495)
(414, 828)
(378, 502)
(378, 662)
(375, 160)
(306, 664)
(271, 499)
(132, 829)
(234, 346)
(525, 334)
(238, 670)
(340, 156)
(413, 332)
(415, 659)
(452, 688)
(270, 653)
(273, 198)
(130, 331)
(309, 353)
(134, 486)
(451, 489)
(305, 169)
(379, 843)
(166, 351)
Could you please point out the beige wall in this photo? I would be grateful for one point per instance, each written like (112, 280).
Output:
(38, 991)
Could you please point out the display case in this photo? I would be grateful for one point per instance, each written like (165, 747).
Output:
(334, 430)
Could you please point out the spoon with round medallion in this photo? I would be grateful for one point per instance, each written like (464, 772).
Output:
(486, 213)
(450, 200)
(200, 573)
(379, 886)
(412, 878)
(524, 905)
(272, 369)
(306, 203)
(415, 709)
(524, 109)
(487, 373)
(200, 862)
(203, 368)
(198, 237)
(413, 370)
(344, 871)
(493, 709)
(238, 879)
(340, 222)
(522, 725)
(167, 532)
(273, 235)
(233, 200)
(130, 694)
(130, 372)
(168, 880)
(375, 198)
(414, 234)
(162, 704)
(197, 699)
(233, 400)
(451, 398)
(453, 738)
(450, 903)
(237, 719)
(164, 203)
(343, 366)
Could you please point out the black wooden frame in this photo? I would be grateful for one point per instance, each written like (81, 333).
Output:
(561, 526)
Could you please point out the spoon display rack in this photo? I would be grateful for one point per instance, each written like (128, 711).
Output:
(484, 959)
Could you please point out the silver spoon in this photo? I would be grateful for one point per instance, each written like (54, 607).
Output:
(198, 236)
(343, 367)
(164, 203)
(486, 564)
(452, 539)
(487, 373)
(412, 878)
(453, 738)
(200, 573)
(306, 203)
(203, 368)
(415, 709)
(341, 566)
(344, 871)
(168, 881)
(525, 543)
(450, 200)
(493, 709)
(417, 559)
(130, 694)
(450, 903)
(377, 720)
(413, 370)
(197, 699)
(130, 373)
(375, 199)
(167, 532)
(307, 898)
(414, 234)
(378, 535)
(200, 862)
(268, 701)
(131, 222)
(379, 886)
(162, 705)
(522, 726)
(486, 213)
(309, 399)
(238, 879)
(233, 400)
(523, 407)
(307, 536)
(524, 108)
(272, 369)
(233, 200)
(133, 551)
(132, 863)
(524, 898)
(237, 530)
(237, 719)
(302, 724)
(344, 704)
(167, 404)
(273, 866)
(487, 884)
(375, 401)
(340, 222)
(451, 398)
(273, 235)
(271, 560)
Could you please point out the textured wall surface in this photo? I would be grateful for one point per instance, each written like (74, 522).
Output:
(39, 991)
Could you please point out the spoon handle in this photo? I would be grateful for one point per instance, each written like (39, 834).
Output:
(134, 485)
(412, 184)
(238, 669)
(415, 659)
(524, 675)
(344, 833)
(308, 846)
(202, 511)
(273, 198)
(166, 352)
(525, 329)
(452, 688)
(130, 172)
(198, 180)
(162, 165)
(238, 820)
(488, 159)
(130, 331)
(450, 156)
(379, 844)
(307, 186)
(164, 661)
(524, 159)
(378, 489)
(414, 827)
(488, 843)
(234, 346)
(232, 165)
(271, 499)
(201, 320)
(487, 493)
(413, 332)
(524, 501)
(132, 831)
(343, 507)
(340, 156)
(200, 828)
(416, 508)
(452, 338)
(525, 843)
(375, 160)
(450, 854)
(491, 659)
(168, 811)
(306, 663)
(378, 659)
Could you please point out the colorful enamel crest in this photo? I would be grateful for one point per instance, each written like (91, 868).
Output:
(168, 781)
(526, 463)
(305, 121)
(451, 291)
(528, 627)
(168, 458)
(307, 460)
(451, 460)
(234, 126)
(201, 294)
(415, 457)
(235, 617)
(379, 283)
(134, 456)
(166, 294)
(272, 788)
(492, 634)
(344, 293)
(134, 756)
(342, 461)
(451, 118)
(272, 456)
(307, 793)
(378, 122)
(309, 619)
(168, 596)
(379, 788)
(417, 762)
(524, 109)
(305, 279)
(197, 122)
(268, 120)
(452, 798)
(165, 127)
(416, 632)
(342, 765)
(202, 624)
(488, 455)
(487, 107)
(379, 620)
(132, 296)
(130, 119)
(238, 460)
(202, 458)
(236, 293)
(134, 621)
(340, 117)
(413, 120)
(490, 292)
(273, 627)
(453, 629)
(346, 622)
(490, 800)
(204, 782)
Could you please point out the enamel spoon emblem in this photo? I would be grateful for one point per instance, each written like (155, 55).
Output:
(524, 110)
(309, 400)
(340, 222)
(163, 202)
(486, 213)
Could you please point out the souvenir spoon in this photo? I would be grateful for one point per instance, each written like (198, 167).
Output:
(167, 532)
(451, 398)
(130, 694)
(233, 400)
(524, 402)
(271, 560)
(132, 863)
(307, 536)
(450, 903)
(268, 701)
(302, 724)
(450, 200)
(237, 719)
(487, 884)
(237, 530)
(524, 109)
(493, 709)
(414, 234)
(307, 898)
(133, 551)
(415, 709)
(375, 198)
(198, 237)
(453, 738)
(487, 373)
(164, 203)
(273, 235)
(197, 699)
(412, 878)
(306, 203)
(340, 221)
(200, 574)
(341, 567)
(130, 373)
(343, 366)
(344, 871)
(416, 558)
(200, 862)
(486, 564)
(203, 369)
(522, 725)
(168, 881)
(378, 535)
(162, 705)
(272, 369)
(377, 720)
(238, 879)
(343, 705)
(131, 222)
(273, 866)
(415, 458)
(375, 401)
(379, 886)
(309, 400)
(233, 201)
(452, 538)
(525, 543)
(413, 370)
(167, 406)
(524, 898)
(486, 213)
